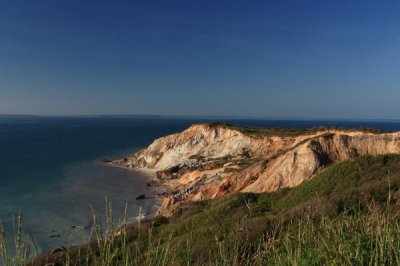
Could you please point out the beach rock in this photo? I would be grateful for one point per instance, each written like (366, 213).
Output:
(56, 250)
(151, 183)
(141, 197)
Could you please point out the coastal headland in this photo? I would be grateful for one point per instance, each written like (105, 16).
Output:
(208, 161)
(236, 195)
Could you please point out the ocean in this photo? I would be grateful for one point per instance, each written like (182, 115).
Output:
(51, 168)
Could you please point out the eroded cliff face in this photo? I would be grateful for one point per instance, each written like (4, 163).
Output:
(208, 161)
(207, 141)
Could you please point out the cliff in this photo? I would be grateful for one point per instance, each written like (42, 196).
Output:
(208, 161)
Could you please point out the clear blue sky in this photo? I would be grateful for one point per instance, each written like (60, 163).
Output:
(304, 59)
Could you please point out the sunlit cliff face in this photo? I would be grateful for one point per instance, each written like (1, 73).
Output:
(208, 161)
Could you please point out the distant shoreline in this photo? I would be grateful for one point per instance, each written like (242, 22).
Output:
(213, 117)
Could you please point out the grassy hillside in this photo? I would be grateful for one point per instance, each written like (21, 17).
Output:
(347, 214)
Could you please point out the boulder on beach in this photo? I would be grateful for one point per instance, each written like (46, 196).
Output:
(141, 197)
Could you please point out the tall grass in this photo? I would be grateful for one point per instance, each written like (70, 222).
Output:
(344, 216)
(22, 247)
(372, 238)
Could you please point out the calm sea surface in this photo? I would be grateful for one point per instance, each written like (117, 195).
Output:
(51, 170)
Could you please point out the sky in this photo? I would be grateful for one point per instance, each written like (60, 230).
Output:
(271, 59)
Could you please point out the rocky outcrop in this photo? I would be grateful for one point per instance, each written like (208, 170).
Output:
(208, 161)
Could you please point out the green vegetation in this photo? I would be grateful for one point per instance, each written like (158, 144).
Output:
(240, 164)
(346, 215)
(231, 169)
(22, 245)
(197, 157)
(288, 132)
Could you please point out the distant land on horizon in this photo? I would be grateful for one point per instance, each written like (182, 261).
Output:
(210, 117)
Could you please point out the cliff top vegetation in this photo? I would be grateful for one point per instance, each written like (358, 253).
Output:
(291, 132)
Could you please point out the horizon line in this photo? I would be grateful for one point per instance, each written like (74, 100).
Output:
(206, 116)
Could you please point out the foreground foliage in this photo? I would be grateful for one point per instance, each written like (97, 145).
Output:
(346, 215)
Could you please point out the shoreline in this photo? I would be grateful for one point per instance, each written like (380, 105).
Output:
(144, 171)
(89, 182)
(152, 183)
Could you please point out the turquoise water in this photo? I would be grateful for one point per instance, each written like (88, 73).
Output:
(51, 170)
